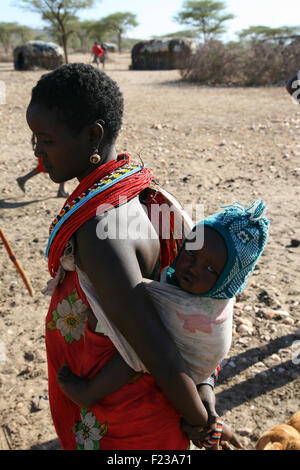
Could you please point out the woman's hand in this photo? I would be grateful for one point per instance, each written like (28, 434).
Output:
(208, 398)
(198, 434)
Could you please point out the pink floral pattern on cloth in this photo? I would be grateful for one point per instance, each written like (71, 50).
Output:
(203, 323)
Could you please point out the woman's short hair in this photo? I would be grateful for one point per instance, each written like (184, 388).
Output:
(82, 95)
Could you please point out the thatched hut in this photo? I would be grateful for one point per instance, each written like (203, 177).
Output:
(46, 55)
(161, 54)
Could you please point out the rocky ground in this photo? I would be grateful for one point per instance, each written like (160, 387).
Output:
(210, 146)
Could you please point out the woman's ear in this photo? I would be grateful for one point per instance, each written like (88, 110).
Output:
(96, 134)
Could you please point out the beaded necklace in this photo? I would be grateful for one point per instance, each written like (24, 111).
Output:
(99, 186)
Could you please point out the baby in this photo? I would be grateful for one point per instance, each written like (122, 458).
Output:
(194, 299)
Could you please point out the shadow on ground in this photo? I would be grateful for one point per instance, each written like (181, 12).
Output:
(50, 445)
(263, 382)
(6, 204)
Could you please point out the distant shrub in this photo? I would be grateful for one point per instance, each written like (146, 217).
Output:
(245, 64)
(5, 56)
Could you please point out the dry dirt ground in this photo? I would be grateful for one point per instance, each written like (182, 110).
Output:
(210, 146)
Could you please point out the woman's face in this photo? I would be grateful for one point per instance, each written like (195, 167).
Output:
(64, 155)
(197, 271)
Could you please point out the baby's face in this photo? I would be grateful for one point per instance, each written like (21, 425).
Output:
(197, 271)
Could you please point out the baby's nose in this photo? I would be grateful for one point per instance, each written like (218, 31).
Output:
(194, 269)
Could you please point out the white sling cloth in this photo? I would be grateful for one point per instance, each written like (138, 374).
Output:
(200, 327)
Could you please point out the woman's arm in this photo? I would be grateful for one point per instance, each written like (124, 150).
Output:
(114, 270)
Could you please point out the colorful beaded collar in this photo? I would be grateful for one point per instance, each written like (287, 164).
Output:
(98, 187)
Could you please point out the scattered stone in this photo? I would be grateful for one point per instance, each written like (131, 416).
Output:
(275, 358)
(288, 321)
(265, 297)
(297, 334)
(245, 329)
(260, 364)
(28, 356)
(267, 313)
(39, 403)
(244, 431)
(239, 306)
(282, 313)
(244, 340)
(264, 348)
(244, 321)
(266, 337)
(25, 371)
(271, 314)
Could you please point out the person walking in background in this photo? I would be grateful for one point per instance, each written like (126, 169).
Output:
(293, 87)
(99, 53)
(22, 180)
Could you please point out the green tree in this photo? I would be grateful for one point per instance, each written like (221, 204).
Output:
(84, 32)
(6, 34)
(261, 33)
(184, 33)
(13, 33)
(101, 30)
(119, 23)
(206, 16)
(88, 31)
(60, 14)
(24, 33)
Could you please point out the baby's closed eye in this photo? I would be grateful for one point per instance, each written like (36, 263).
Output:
(211, 269)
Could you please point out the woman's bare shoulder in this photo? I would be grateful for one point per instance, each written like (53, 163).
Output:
(120, 230)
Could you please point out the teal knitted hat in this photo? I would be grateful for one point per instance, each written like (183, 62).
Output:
(245, 231)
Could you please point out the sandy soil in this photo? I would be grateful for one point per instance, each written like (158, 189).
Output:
(210, 146)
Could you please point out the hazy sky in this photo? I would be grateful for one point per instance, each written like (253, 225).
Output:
(155, 17)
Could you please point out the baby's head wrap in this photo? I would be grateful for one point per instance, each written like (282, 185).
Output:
(245, 231)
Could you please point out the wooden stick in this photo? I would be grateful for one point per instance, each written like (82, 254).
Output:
(16, 263)
(5, 443)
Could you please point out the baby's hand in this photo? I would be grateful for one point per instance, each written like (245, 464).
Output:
(64, 373)
(228, 438)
